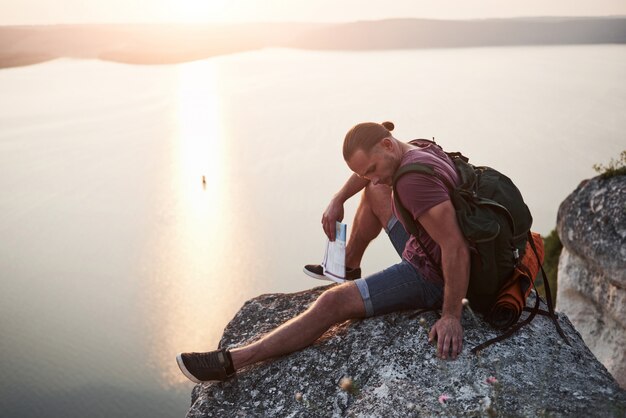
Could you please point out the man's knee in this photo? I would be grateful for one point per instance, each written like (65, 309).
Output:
(341, 302)
(378, 198)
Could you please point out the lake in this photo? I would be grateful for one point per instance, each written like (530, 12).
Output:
(115, 256)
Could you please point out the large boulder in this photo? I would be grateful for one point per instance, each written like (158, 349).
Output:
(592, 268)
(395, 373)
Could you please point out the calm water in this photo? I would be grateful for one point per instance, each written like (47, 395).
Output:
(114, 256)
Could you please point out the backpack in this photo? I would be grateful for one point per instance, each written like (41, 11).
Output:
(496, 222)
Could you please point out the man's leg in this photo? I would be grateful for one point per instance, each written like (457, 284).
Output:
(373, 213)
(333, 306)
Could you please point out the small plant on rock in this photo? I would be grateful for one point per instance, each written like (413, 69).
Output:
(614, 168)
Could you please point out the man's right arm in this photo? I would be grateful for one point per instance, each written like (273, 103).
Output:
(334, 211)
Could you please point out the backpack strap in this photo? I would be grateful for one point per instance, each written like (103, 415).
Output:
(412, 225)
(546, 285)
(533, 311)
(420, 168)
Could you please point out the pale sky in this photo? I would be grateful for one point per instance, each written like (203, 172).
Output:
(16, 12)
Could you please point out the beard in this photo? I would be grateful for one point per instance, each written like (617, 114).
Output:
(393, 164)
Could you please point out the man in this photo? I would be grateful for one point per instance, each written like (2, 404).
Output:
(374, 156)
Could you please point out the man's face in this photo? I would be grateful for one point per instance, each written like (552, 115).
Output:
(377, 166)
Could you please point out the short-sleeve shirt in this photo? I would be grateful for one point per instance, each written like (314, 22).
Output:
(419, 193)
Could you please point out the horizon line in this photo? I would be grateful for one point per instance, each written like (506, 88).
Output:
(303, 22)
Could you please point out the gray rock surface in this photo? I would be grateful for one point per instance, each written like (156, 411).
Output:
(592, 268)
(395, 372)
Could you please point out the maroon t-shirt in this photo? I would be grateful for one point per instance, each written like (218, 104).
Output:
(420, 192)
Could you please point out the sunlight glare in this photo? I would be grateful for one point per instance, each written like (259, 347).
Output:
(199, 136)
(199, 10)
(187, 273)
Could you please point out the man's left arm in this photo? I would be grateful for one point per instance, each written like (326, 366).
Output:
(441, 224)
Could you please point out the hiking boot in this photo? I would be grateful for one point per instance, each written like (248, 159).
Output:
(205, 367)
(316, 271)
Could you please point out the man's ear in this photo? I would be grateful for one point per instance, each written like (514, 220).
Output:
(386, 143)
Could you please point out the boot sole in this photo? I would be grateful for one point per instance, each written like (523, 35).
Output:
(322, 277)
(183, 369)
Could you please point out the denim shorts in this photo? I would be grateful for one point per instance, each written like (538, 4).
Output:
(400, 286)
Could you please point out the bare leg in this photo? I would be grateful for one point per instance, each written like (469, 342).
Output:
(372, 215)
(333, 306)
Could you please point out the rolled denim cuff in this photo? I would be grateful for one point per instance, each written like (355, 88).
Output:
(391, 223)
(365, 295)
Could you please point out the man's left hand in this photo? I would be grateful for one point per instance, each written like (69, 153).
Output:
(448, 333)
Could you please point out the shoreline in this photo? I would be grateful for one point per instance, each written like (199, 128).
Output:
(153, 44)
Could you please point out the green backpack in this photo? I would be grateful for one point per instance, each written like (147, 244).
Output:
(494, 219)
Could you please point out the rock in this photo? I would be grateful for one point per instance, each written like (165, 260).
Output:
(393, 371)
(592, 268)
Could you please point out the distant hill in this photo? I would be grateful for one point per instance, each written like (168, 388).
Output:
(418, 33)
(138, 43)
(165, 43)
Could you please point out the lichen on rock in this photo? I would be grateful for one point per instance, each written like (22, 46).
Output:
(394, 371)
(592, 267)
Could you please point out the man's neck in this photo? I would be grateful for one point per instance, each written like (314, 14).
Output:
(406, 147)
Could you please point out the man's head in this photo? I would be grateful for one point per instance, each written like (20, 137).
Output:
(372, 152)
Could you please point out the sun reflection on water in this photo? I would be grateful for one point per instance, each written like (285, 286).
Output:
(200, 140)
(185, 281)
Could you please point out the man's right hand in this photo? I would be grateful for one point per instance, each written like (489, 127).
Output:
(334, 211)
(332, 215)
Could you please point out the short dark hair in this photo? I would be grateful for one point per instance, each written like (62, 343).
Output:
(364, 136)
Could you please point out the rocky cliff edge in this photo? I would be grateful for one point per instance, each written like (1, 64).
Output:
(393, 371)
(592, 268)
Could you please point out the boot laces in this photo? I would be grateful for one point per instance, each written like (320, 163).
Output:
(210, 360)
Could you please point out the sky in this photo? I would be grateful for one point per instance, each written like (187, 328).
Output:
(29, 12)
